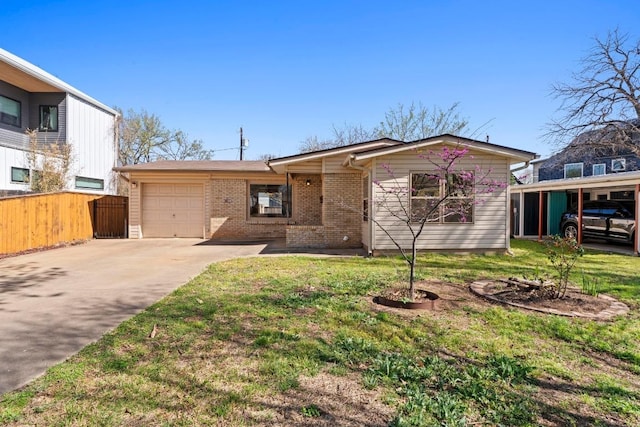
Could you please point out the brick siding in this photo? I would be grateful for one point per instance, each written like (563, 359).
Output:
(229, 217)
(326, 213)
(307, 204)
(341, 216)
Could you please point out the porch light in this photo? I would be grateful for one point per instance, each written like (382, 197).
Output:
(308, 182)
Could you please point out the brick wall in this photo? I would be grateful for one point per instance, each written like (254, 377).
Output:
(342, 210)
(306, 236)
(229, 215)
(307, 206)
(341, 216)
(324, 212)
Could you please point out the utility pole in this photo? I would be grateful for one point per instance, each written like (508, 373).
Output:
(244, 143)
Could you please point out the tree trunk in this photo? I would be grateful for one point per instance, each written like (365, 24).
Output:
(412, 271)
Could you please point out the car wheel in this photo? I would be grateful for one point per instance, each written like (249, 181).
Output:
(570, 231)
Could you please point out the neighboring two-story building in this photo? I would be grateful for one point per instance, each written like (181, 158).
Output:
(32, 99)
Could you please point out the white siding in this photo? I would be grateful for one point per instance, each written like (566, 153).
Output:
(90, 131)
(12, 157)
(489, 226)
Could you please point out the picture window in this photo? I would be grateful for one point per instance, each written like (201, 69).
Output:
(269, 201)
(10, 111)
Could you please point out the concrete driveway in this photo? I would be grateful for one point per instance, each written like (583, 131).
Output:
(53, 303)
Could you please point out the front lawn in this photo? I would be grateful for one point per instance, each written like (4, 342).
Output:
(297, 341)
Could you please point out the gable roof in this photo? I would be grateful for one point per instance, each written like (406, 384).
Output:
(197, 166)
(354, 153)
(280, 163)
(20, 73)
(515, 154)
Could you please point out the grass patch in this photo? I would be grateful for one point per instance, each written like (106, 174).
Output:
(296, 340)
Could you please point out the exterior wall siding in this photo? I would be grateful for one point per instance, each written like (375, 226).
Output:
(12, 157)
(489, 226)
(90, 131)
(135, 212)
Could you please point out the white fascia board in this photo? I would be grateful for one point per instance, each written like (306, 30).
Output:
(515, 155)
(314, 155)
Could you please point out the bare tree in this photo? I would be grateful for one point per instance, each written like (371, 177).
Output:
(400, 123)
(141, 135)
(50, 164)
(266, 157)
(349, 134)
(143, 138)
(600, 107)
(181, 148)
(418, 122)
(312, 143)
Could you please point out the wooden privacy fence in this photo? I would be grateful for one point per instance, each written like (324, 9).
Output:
(43, 220)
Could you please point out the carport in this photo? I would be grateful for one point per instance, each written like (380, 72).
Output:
(536, 208)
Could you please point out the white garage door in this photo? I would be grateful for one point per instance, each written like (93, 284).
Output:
(172, 210)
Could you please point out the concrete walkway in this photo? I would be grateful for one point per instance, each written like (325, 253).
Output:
(53, 303)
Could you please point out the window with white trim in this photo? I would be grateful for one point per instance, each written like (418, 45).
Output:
(599, 169)
(618, 165)
(442, 200)
(573, 170)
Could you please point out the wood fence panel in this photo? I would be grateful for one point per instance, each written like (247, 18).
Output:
(44, 220)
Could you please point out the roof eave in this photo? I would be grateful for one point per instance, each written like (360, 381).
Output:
(513, 154)
(314, 155)
(38, 73)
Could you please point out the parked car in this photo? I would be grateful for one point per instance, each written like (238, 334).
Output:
(603, 219)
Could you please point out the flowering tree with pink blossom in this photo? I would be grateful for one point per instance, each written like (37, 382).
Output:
(445, 192)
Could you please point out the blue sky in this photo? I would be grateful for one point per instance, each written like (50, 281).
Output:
(287, 70)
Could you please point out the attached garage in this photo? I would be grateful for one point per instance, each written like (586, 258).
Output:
(172, 210)
(202, 199)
